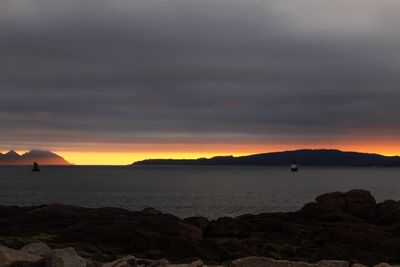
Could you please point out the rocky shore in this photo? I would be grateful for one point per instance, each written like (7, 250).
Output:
(41, 255)
(346, 227)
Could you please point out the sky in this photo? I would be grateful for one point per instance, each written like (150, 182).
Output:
(115, 81)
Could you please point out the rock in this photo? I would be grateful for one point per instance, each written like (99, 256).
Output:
(192, 232)
(40, 249)
(11, 257)
(360, 203)
(358, 265)
(388, 212)
(128, 261)
(384, 264)
(335, 226)
(228, 227)
(198, 263)
(330, 263)
(92, 263)
(66, 257)
(152, 211)
(200, 222)
(333, 199)
(287, 251)
(160, 263)
(144, 262)
(266, 262)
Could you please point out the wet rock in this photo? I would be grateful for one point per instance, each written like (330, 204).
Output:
(40, 249)
(11, 257)
(66, 257)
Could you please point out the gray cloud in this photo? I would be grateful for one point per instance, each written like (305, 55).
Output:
(175, 71)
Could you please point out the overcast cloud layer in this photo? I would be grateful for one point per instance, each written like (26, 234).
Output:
(186, 71)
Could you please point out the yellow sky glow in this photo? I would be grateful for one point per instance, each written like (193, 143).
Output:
(127, 157)
(127, 154)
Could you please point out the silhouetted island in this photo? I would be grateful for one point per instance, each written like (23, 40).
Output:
(304, 157)
(40, 156)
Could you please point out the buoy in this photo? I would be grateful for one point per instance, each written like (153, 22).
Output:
(35, 167)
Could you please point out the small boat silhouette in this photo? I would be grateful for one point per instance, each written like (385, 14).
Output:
(294, 167)
(35, 167)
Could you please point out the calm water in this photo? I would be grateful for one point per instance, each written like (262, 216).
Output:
(188, 191)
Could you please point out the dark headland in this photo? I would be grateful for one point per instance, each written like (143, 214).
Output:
(347, 226)
(40, 156)
(304, 157)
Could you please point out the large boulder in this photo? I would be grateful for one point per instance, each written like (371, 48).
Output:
(334, 199)
(40, 249)
(66, 257)
(358, 203)
(11, 257)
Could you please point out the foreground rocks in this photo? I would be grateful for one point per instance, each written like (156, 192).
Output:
(68, 257)
(348, 227)
(11, 257)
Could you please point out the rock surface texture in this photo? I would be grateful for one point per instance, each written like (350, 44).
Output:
(68, 257)
(11, 257)
(348, 227)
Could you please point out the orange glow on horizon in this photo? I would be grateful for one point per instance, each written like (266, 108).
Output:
(125, 157)
(124, 154)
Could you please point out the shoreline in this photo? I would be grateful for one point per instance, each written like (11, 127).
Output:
(347, 226)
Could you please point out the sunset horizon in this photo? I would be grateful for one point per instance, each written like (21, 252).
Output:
(120, 158)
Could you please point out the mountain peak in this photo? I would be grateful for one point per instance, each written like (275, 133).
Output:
(42, 157)
(12, 153)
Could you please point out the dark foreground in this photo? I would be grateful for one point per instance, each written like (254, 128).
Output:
(342, 226)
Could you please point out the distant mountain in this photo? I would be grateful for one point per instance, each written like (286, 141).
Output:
(305, 157)
(39, 156)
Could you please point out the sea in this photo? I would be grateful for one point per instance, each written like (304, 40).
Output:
(190, 190)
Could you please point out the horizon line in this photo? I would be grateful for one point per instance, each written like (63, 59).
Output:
(175, 156)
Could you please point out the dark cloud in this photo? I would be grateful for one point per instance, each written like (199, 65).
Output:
(191, 71)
